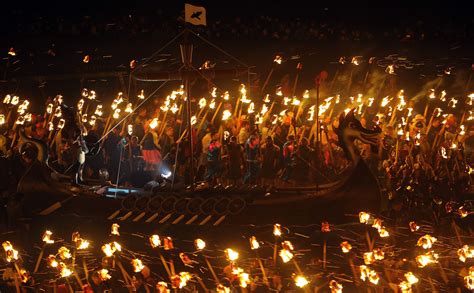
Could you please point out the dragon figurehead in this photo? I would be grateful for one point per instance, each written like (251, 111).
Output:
(349, 130)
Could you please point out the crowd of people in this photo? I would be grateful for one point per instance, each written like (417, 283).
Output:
(424, 158)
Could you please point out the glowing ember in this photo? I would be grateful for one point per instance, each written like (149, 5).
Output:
(193, 120)
(254, 243)
(426, 259)
(335, 286)
(231, 255)
(426, 241)
(114, 230)
(300, 281)
(137, 265)
(346, 246)
(199, 244)
(47, 237)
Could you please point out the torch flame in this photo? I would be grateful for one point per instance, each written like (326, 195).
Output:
(231, 255)
(278, 59)
(114, 230)
(413, 226)
(345, 246)
(286, 255)
(200, 244)
(425, 259)
(368, 273)
(300, 281)
(52, 262)
(469, 279)
(155, 241)
(64, 253)
(335, 286)
(254, 243)
(47, 237)
(104, 275)
(11, 253)
(426, 241)
(364, 217)
(226, 115)
(465, 252)
(277, 230)
(137, 265)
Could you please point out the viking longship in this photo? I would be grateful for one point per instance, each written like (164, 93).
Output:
(46, 195)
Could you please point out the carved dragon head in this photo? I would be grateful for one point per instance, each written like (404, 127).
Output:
(349, 130)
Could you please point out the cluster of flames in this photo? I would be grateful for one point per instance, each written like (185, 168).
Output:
(61, 261)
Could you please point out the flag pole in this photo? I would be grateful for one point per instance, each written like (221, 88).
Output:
(186, 57)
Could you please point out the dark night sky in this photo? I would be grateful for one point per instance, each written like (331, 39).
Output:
(380, 11)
